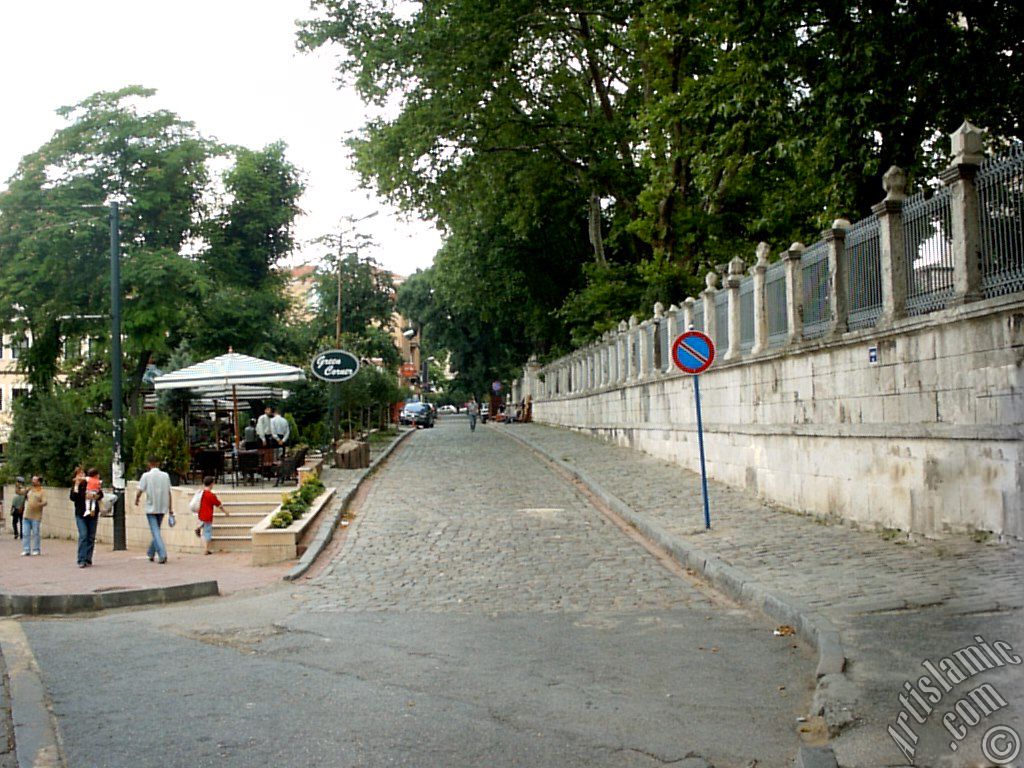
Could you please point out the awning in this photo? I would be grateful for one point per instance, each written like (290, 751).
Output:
(224, 371)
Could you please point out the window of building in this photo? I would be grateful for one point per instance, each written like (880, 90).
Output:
(17, 393)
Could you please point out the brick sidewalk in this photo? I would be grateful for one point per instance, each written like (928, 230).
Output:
(55, 572)
(896, 600)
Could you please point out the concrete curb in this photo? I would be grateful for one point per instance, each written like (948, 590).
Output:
(325, 533)
(41, 605)
(37, 741)
(831, 698)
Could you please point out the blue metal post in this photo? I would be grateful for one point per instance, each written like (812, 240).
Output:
(700, 443)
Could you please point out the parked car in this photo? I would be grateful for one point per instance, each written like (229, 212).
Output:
(485, 412)
(447, 409)
(417, 415)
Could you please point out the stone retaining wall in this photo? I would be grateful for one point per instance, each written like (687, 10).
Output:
(925, 434)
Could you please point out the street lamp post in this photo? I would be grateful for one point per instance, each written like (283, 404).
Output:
(117, 464)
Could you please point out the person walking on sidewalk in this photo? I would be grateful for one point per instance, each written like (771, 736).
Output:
(86, 516)
(156, 484)
(18, 507)
(35, 500)
(473, 410)
(208, 502)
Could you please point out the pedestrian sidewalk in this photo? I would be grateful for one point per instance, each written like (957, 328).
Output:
(895, 600)
(55, 571)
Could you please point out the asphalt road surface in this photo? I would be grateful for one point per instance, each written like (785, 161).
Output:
(480, 613)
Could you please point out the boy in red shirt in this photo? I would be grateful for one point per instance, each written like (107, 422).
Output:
(207, 504)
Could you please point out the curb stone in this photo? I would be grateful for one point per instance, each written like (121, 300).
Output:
(325, 533)
(834, 695)
(37, 741)
(41, 605)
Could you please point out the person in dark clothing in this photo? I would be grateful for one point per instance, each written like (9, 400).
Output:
(86, 516)
(18, 506)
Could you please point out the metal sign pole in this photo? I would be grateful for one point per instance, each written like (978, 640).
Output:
(700, 443)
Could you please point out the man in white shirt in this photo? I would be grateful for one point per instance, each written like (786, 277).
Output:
(280, 430)
(156, 484)
(263, 429)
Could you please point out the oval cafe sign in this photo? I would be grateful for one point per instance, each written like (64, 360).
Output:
(335, 365)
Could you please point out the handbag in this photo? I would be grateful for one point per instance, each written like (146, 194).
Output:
(170, 521)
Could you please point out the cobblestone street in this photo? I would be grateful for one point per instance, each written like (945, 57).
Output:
(480, 612)
(895, 600)
(471, 522)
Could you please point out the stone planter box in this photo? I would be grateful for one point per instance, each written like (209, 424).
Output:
(275, 545)
(312, 467)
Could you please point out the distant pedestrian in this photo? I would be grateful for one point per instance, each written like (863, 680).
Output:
(86, 513)
(263, 430)
(207, 504)
(473, 410)
(281, 431)
(249, 438)
(156, 484)
(35, 501)
(18, 507)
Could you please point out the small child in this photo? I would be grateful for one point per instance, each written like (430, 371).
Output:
(93, 488)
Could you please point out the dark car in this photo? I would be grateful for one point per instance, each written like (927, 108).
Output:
(418, 415)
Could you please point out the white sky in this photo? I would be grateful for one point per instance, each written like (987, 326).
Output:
(229, 66)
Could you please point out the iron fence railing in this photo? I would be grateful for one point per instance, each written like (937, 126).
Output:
(775, 303)
(664, 364)
(817, 312)
(928, 250)
(1000, 185)
(864, 275)
(722, 321)
(698, 316)
(746, 314)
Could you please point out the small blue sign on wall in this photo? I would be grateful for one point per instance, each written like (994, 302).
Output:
(872, 355)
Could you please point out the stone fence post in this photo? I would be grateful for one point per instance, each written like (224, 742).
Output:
(622, 352)
(967, 150)
(891, 252)
(688, 303)
(758, 272)
(732, 283)
(838, 269)
(794, 293)
(631, 356)
(657, 324)
(708, 294)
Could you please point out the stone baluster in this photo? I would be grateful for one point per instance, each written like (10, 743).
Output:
(708, 294)
(643, 349)
(671, 331)
(688, 303)
(631, 357)
(838, 293)
(658, 326)
(794, 292)
(892, 255)
(967, 146)
(758, 272)
(622, 352)
(732, 284)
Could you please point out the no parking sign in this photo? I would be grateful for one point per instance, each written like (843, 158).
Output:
(693, 353)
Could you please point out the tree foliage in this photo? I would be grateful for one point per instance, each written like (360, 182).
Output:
(587, 159)
(198, 249)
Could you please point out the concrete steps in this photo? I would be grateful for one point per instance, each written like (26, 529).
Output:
(233, 532)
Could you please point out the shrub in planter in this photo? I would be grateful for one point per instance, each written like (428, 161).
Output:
(281, 519)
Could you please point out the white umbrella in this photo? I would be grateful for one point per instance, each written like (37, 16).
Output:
(228, 372)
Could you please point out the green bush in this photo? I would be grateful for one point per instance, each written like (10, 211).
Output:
(160, 436)
(281, 519)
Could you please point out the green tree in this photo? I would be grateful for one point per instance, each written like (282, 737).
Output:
(54, 431)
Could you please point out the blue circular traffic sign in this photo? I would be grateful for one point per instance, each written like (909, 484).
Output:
(693, 352)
